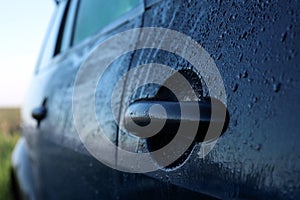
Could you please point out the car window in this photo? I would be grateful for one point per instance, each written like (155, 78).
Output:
(75, 20)
(68, 25)
(94, 15)
(50, 40)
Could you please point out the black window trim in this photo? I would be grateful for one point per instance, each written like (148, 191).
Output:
(69, 12)
(61, 29)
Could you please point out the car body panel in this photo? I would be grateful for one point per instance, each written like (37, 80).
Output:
(22, 172)
(55, 146)
(254, 45)
(63, 168)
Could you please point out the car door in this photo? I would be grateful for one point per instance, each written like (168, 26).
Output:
(63, 167)
(35, 98)
(253, 45)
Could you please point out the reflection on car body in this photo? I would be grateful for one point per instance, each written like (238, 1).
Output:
(255, 46)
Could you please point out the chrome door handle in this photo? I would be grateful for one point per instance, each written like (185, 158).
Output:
(140, 113)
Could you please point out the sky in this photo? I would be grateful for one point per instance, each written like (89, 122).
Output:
(23, 27)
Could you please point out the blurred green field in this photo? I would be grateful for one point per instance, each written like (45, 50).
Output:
(9, 134)
(6, 146)
(9, 120)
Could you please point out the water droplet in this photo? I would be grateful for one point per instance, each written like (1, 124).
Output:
(241, 57)
(283, 37)
(245, 74)
(234, 123)
(254, 99)
(168, 179)
(244, 35)
(257, 147)
(235, 87)
(276, 87)
(272, 79)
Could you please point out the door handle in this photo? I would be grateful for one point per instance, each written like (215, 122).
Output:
(39, 113)
(141, 113)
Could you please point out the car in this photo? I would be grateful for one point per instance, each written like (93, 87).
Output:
(163, 99)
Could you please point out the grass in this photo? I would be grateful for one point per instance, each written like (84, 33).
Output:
(9, 120)
(7, 143)
(9, 126)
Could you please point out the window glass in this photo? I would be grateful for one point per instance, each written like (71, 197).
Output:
(96, 14)
(68, 28)
(50, 40)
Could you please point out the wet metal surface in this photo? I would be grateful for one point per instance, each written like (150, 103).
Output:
(255, 45)
(256, 48)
